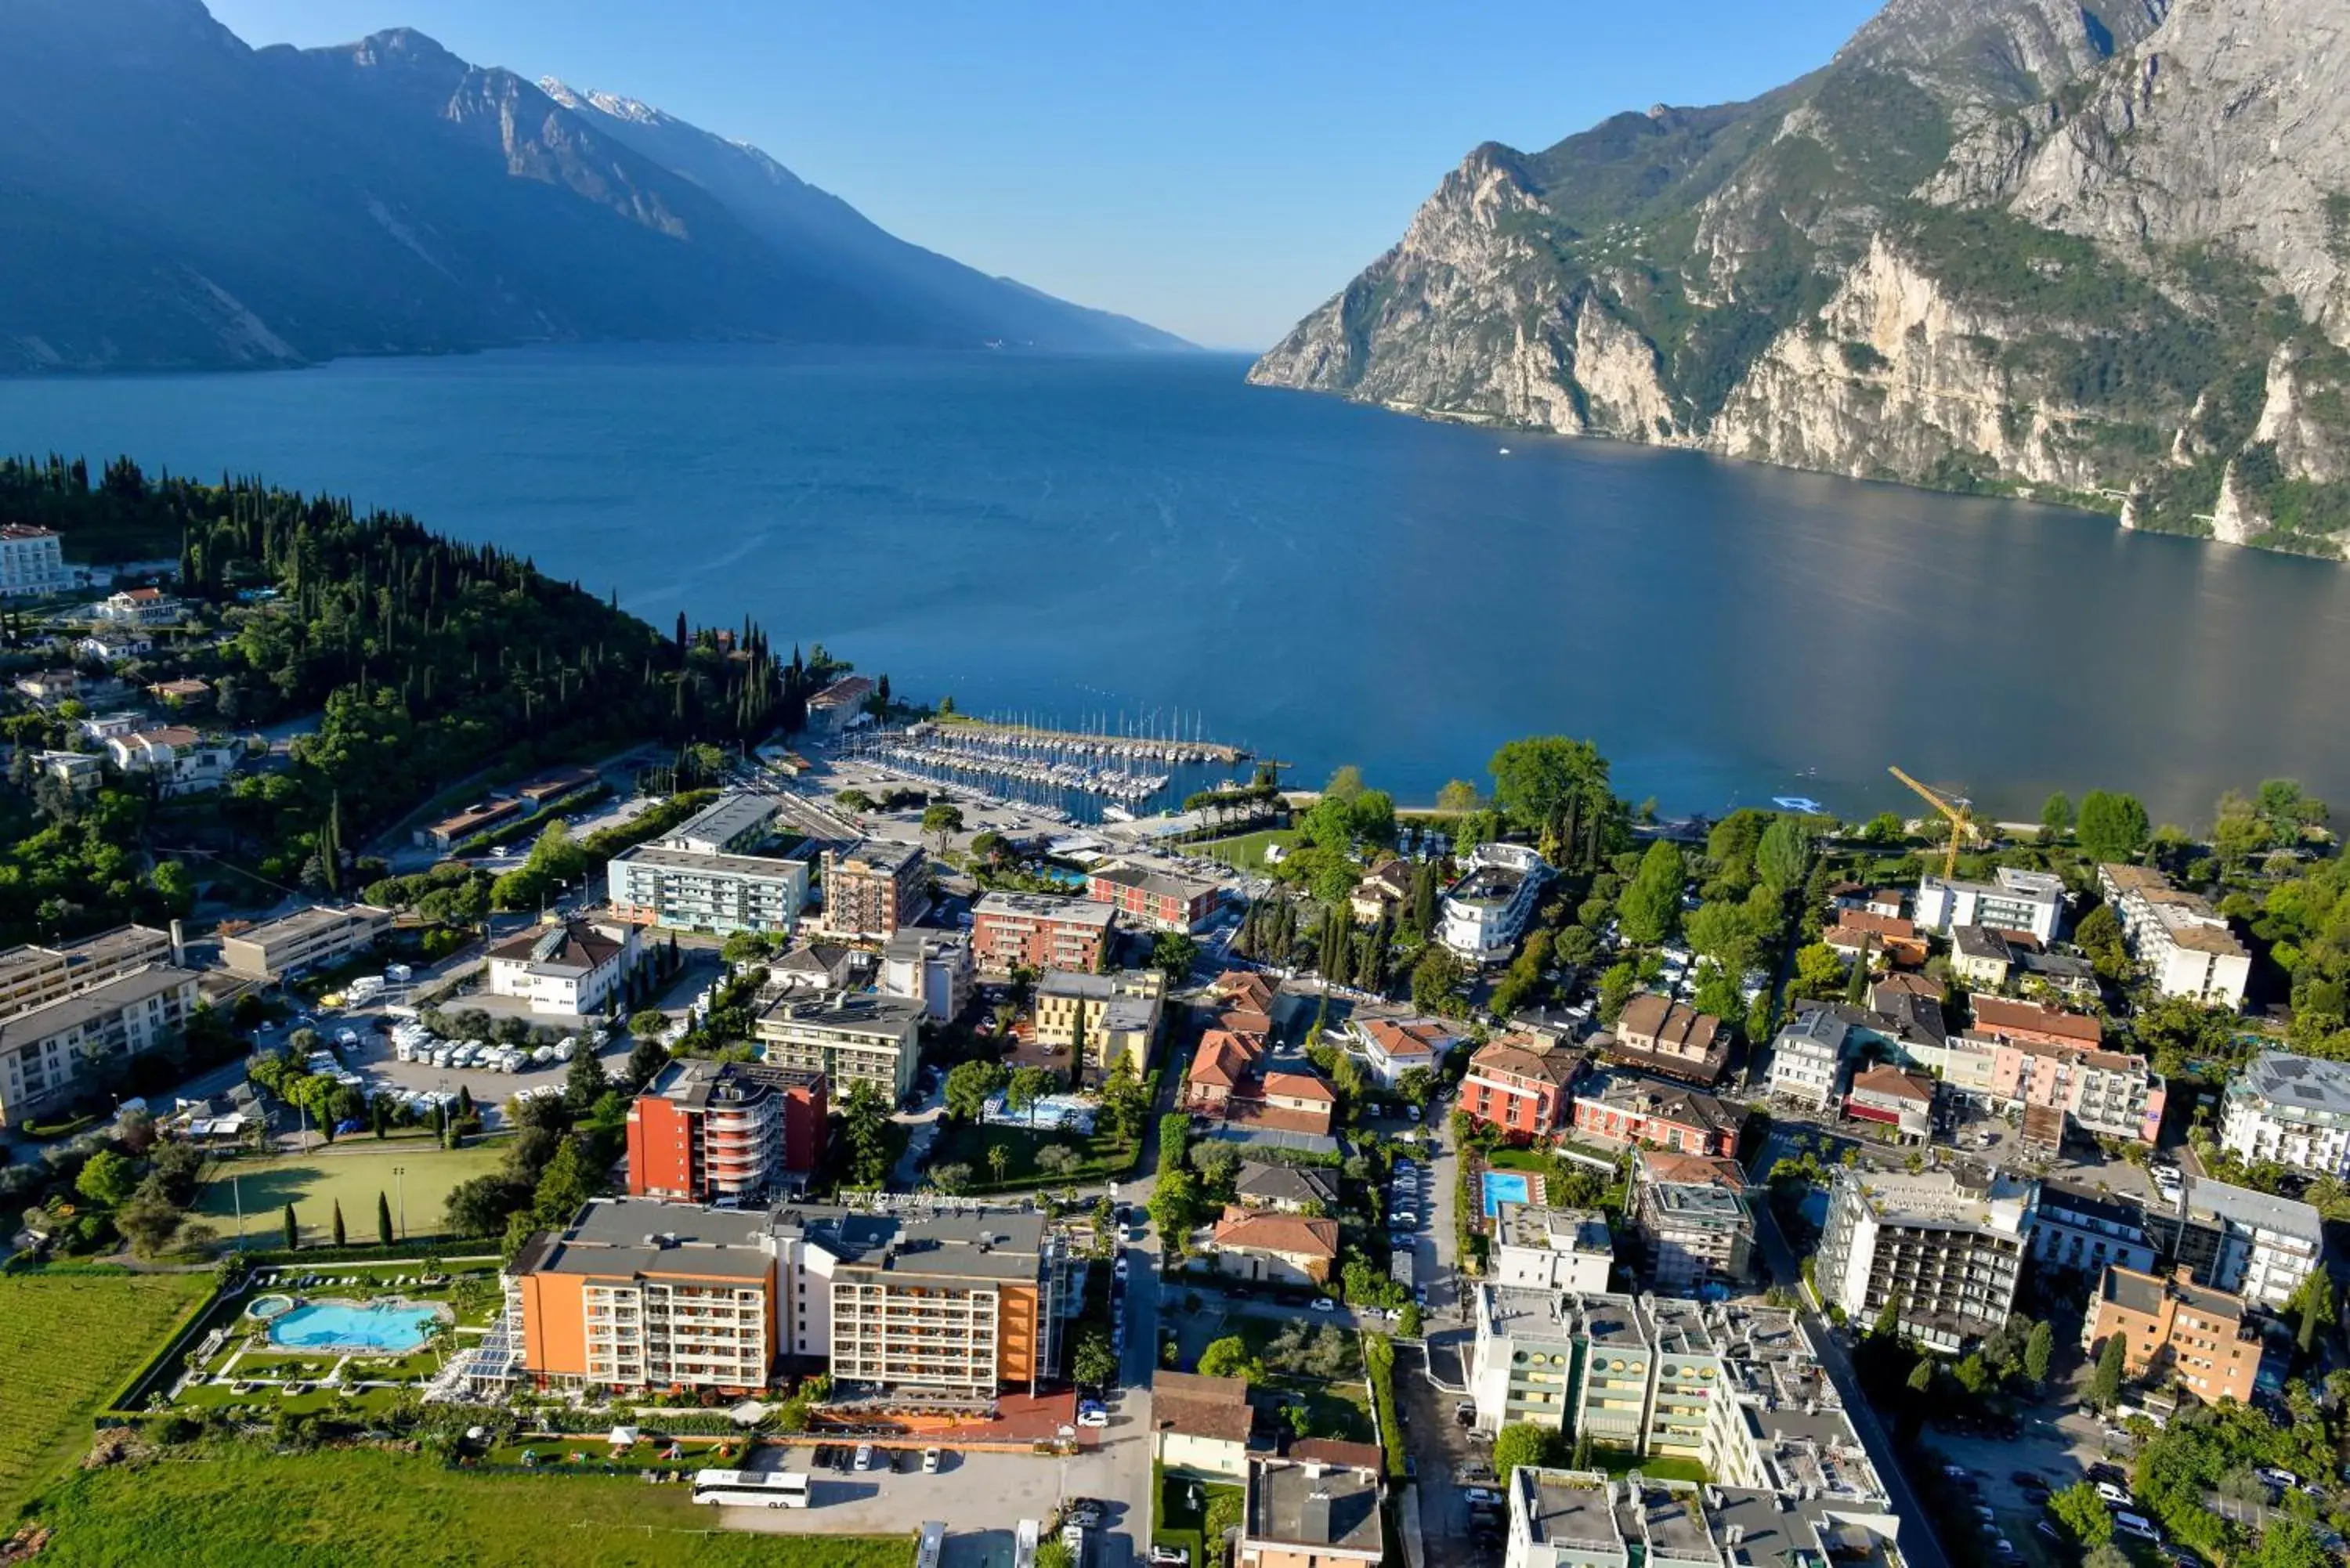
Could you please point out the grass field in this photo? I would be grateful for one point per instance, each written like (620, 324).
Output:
(352, 1173)
(68, 1342)
(1246, 852)
(357, 1507)
(963, 1143)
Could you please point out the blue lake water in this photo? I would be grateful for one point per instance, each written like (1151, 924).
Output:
(1069, 539)
(383, 1328)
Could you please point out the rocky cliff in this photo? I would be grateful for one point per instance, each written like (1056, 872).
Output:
(2096, 253)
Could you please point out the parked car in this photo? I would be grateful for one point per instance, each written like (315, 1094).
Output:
(1092, 1416)
(1324, 1303)
(2138, 1524)
(864, 1456)
(1481, 1497)
(930, 1459)
(2114, 1496)
(1171, 1557)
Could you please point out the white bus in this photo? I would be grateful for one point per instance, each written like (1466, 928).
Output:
(751, 1489)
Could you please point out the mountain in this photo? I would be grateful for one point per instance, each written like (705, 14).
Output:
(2097, 253)
(173, 198)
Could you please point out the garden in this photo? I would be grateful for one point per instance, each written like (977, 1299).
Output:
(976, 1157)
(350, 1178)
(1192, 1512)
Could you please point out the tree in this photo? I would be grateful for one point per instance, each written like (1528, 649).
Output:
(342, 1237)
(2082, 1512)
(2055, 817)
(1230, 1358)
(585, 1082)
(1173, 953)
(1784, 854)
(968, 1085)
(952, 1178)
(2113, 827)
(1054, 1552)
(109, 1179)
(865, 1128)
(1819, 971)
(1410, 1324)
(1522, 1443)
(1093, 1364)
(383, 1220)
(942, 822)
(1028, 1086)
(1537, 779)
(1437, 981)
(2313, 1299)
(2100, 936)
(1173, 1201)
(2039, 1351)
(2105, 1384)
(647, 1057)
(292, 1230)
(1346, 783)
(563, 1188)
(999, 1161)
(1921, 1377)
(1456, 796)
(1650, 910)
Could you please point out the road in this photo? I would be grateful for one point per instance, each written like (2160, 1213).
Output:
(1919, 1545)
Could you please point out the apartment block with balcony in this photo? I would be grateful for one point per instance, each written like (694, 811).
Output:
(1485, 912)
(2294, 1110)
(2176, 1331)
(32, 561)
(1808, 1058)
(932, 968)
(1520, 1084)
(709, 1131)
(1101, 1018)
(1944, 1247)
(850, 1037)
(53, 1053)
(1694, 1223)
(1035, 931)
(2018, 900)
(304, 940)
(1157, 899)
(2254, 1244)
(1577, 1519)
(691, 890)
(636, 1295)
(2186, 946)
(2085, 1231)
(1551, 1249)
(31, 975)
(873, 887)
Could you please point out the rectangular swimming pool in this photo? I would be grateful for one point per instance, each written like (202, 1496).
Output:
(1506, 1187)
(382, 1328)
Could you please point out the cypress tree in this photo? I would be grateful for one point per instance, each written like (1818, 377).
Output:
(382, 1218)
(340, 1239)
(293, 1231)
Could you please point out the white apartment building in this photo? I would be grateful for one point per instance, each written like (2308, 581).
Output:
(1486, 911)
(2185, 946)
(2255, 1244)
(1946, 1248)
(1807, 1059)
(699, 890)
(569, 969)
(49, 1053)
(1551, 1249)
(850, 1038)
(2085, 1231)
(932, 968)
(2017, 900)
(727, 825)
(32, 561)
(2294, 1110)
(322, 934)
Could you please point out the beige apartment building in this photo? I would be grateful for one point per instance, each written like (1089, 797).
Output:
(31, 975)
(849, 1037)
(873, 888)
(53, 1053)
(1109, 1016)
(304, 939)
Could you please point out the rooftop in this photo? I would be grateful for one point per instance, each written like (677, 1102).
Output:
(726, 818)
(1528, 1057)
(1005, 1244)
(1157, 884)
(1313, 1505)
(1488, 885)
(88, 1006)
(303, 922)
(879, 857)
(1553, 1230)
(1284, 1183)
(1200, 1406)
(853, 1011)
(1971, 1196)
(1043, 906)
(624, 1237)
(1698, 1204)
(1260, 1231)
(668, 857)
(1569, 1509)
(2296, 1084)
(2202, 1196)
(1997, 1015)
(693, 1081)
(567, 945)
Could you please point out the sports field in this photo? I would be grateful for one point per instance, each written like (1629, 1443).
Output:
(350, 1173)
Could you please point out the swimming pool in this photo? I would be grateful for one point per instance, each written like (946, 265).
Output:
(354, 1328)
(1506, 1187)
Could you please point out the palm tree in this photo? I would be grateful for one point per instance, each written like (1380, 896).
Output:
(999, 1159)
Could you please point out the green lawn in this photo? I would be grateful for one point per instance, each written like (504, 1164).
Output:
(1656, 1466)
(1246, 851)
(1517, 1159)
(357, 1507)
(67, 1344)
(352, 1173)
(964, 1143)
(1177, 1522)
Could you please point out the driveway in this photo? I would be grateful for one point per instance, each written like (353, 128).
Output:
(1440, 1450)
(979, 1497)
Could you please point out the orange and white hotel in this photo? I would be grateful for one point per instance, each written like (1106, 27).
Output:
(943, 1307)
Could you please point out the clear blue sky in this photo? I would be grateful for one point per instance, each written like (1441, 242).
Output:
(1217, 169)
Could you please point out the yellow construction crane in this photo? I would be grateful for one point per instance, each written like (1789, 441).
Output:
(1962, 821)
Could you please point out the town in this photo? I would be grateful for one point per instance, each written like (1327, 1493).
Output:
(652, 1085)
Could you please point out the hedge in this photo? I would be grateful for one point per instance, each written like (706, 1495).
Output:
(1378, 1370)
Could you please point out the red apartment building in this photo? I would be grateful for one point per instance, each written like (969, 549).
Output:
(710, 1130)
(1157, 899)
(1614, 1107)
(1518, 1083)
(1036, 932)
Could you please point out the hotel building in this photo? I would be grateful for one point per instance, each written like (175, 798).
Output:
(1945, 1248)
(707, 1130)
(1035, 931)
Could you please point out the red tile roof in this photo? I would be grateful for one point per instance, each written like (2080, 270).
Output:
(1528, 1057)
(1299, 1087)
(1268, 1231)
(1997, 1015)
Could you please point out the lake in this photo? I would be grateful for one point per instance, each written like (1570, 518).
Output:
(1072, 539)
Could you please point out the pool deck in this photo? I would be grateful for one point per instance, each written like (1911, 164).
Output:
(1514, 1186)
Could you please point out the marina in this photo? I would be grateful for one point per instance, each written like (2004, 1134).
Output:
(1063, 776)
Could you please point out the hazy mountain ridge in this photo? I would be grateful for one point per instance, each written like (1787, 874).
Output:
(176, 198)
(2092, 254)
